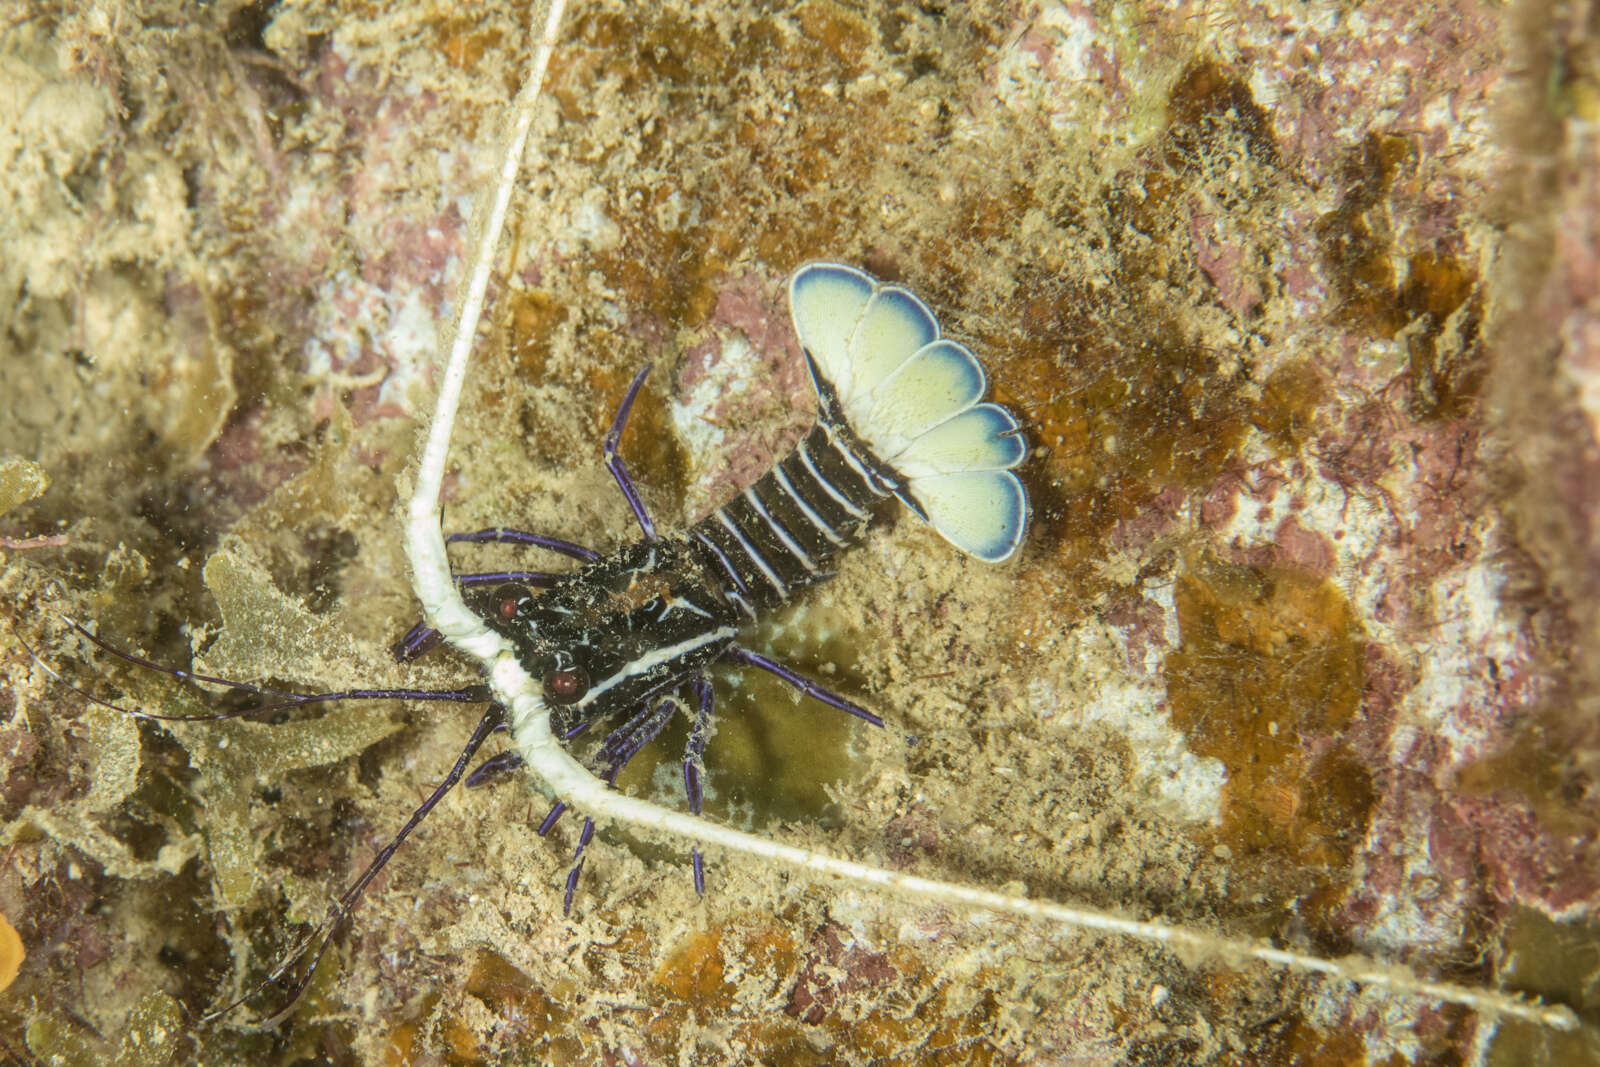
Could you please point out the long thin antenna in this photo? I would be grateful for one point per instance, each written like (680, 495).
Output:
(424, 540)
(570, 782)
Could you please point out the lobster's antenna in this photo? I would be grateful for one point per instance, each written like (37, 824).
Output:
(424, 538)
(570, 782)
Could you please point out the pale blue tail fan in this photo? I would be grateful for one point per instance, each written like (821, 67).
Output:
(914, 399)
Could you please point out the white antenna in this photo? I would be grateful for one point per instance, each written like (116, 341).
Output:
(570, 782)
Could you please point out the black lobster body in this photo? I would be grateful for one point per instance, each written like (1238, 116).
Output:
(646, 619)
(899, 413)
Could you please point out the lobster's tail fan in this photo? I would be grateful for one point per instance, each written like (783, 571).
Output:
(825, 302)
(913, 398)
(982, 438)
(940, 380)
(983, 513)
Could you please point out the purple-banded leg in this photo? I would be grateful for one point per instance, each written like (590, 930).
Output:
(558, 809)
(339, 914)
(625, 742)
(417, 642)
(615, 752)
(496, 768)
(577, 865)
(694, 763)
(614, 462)
(805, 685)
(500, 536)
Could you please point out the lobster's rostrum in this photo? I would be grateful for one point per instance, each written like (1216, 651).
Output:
(900, 414)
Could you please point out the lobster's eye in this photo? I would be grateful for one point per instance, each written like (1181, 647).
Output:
(566, 686)
(508, 601)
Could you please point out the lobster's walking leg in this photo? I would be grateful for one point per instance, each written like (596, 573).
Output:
(800, 682)
(694, 762)
(618, 749)
(614, 462)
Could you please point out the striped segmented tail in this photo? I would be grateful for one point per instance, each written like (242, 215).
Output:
(899, 414)
(913, 398)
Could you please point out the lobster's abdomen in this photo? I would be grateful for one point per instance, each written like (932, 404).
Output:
(781, 534)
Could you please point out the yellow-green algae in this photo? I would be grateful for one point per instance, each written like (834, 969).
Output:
(20, 482)
(152, 1038)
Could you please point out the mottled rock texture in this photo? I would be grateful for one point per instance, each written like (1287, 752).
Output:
(1299, 303)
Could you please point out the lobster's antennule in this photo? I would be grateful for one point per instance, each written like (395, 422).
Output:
(913, 398)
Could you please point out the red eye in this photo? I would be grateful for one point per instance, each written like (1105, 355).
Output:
(566, 687)
(508, 600)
